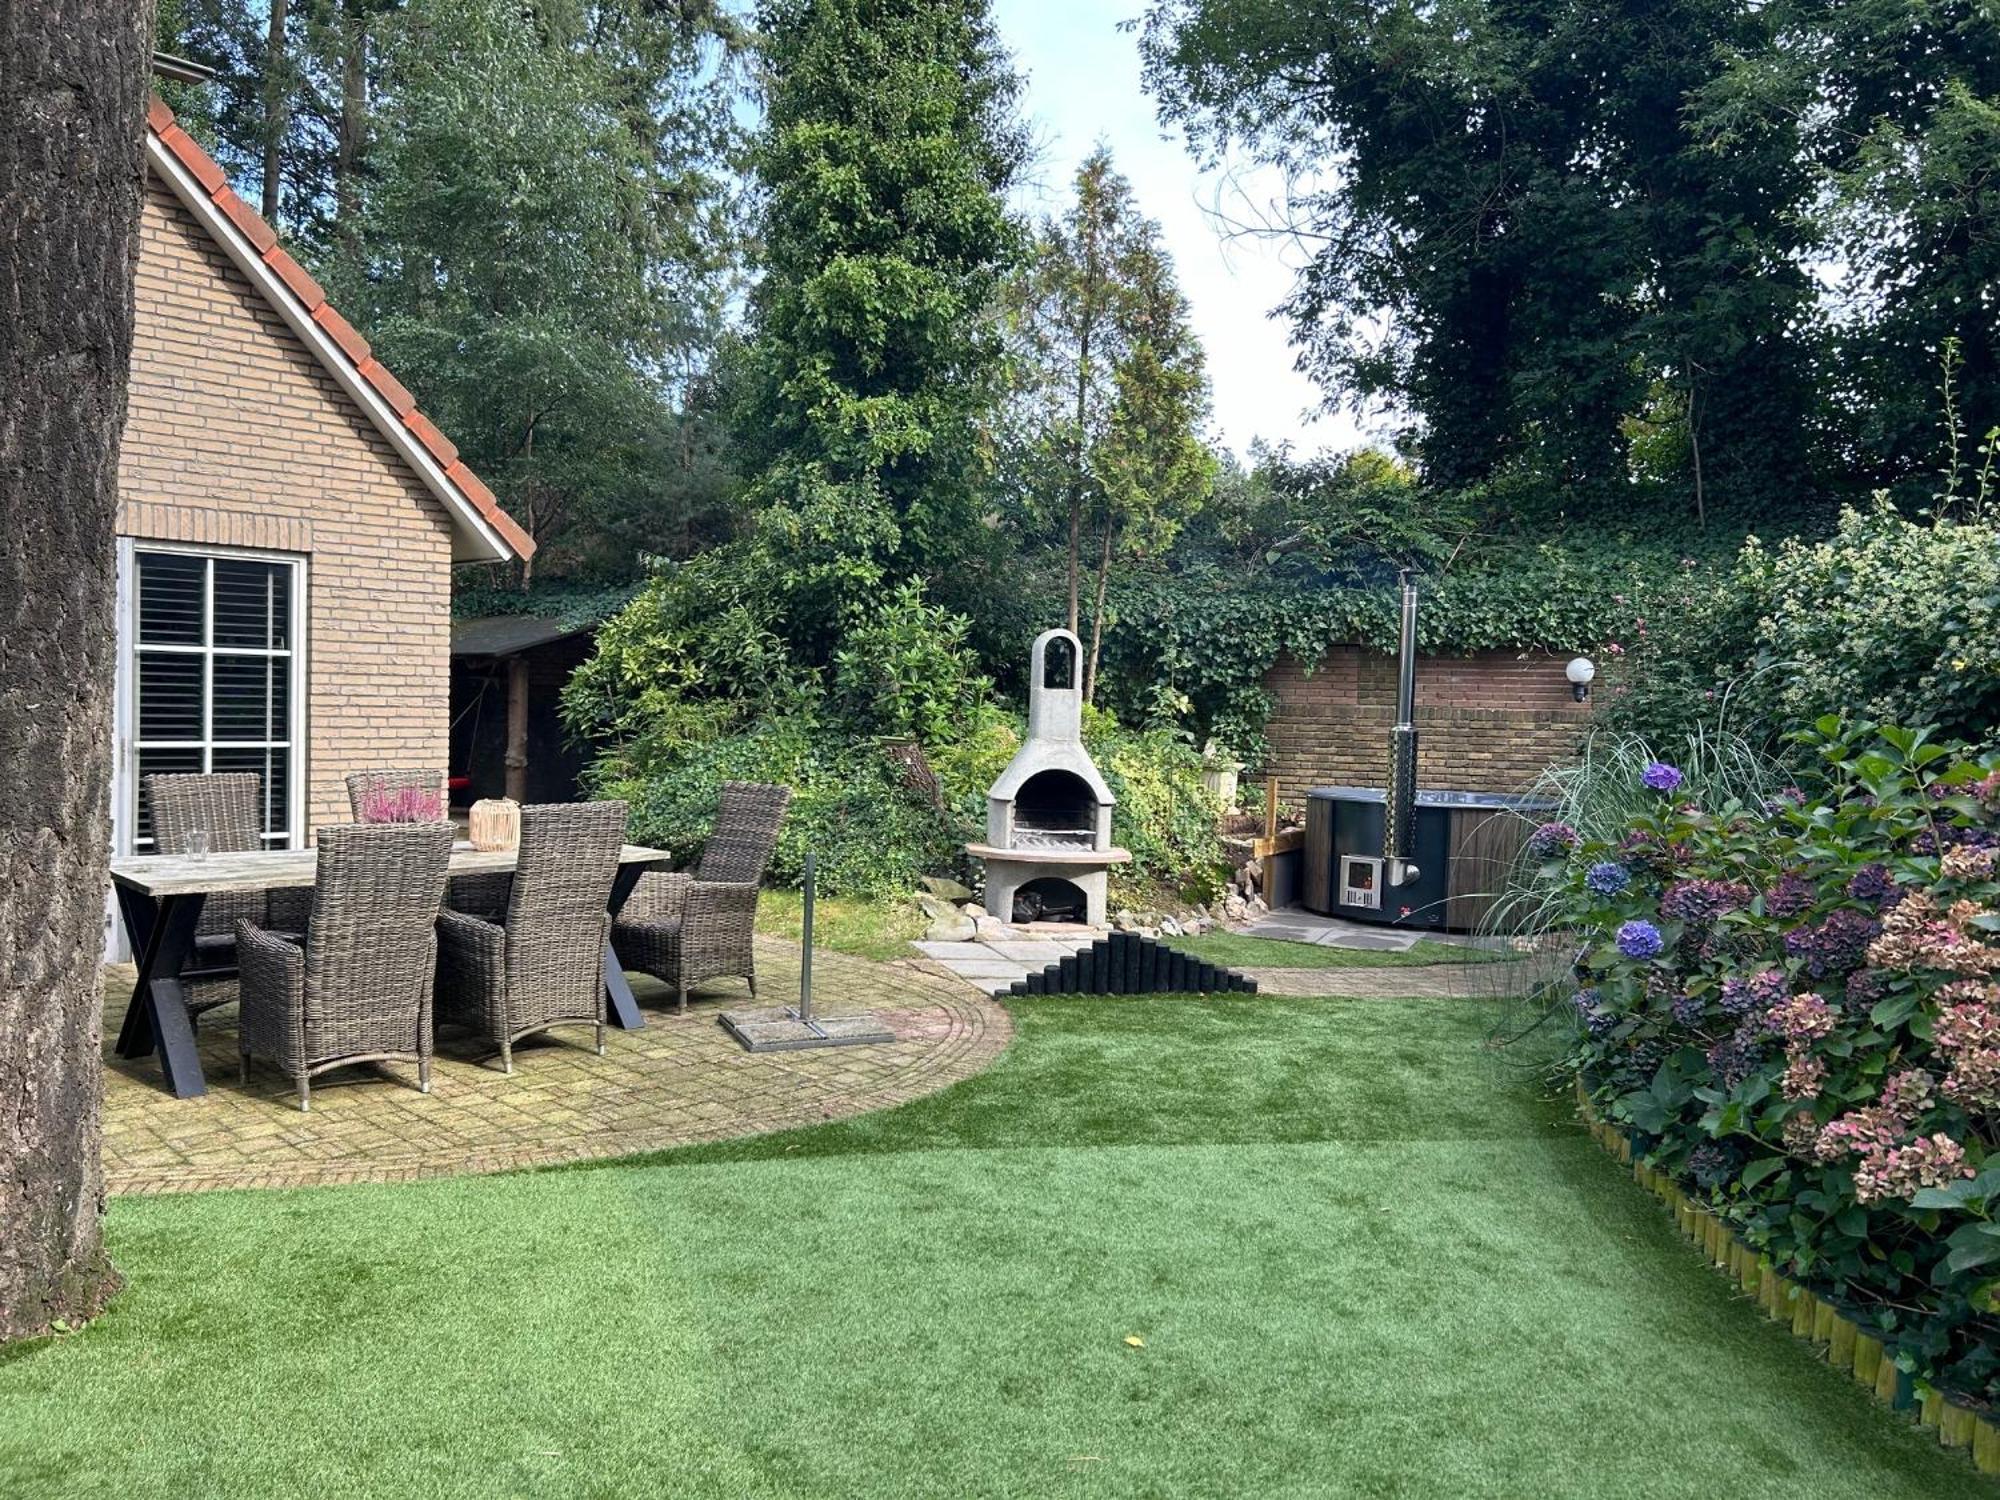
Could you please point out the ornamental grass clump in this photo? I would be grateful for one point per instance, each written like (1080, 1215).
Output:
(1791, 1004)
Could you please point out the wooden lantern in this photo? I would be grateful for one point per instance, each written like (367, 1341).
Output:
(494, 824)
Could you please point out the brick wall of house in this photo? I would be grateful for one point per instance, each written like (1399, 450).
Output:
(237, 437)
(1489, 722)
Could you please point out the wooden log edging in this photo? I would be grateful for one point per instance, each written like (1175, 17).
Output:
(1846, 1344)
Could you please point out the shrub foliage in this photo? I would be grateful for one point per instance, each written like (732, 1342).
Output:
(1794, 1006)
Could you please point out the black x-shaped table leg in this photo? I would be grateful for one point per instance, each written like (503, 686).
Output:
(162, 935)
(624, 1009)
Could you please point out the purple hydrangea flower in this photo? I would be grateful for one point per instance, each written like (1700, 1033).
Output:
(1835, 946)
(1703, 900)
(1865, 987)
(1735, 1057)
(1792, 896)
(1759, 992)
(1551, 840)
(1596, 1020)
(1661, 777)
(1789, 798)
(1607, 877)
(1639, 939)
(1687, 1009)
(1712, 1164)
(1874, 884)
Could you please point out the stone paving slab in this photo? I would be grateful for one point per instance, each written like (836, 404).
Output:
(1037, 954)
(1298, 926)
(677, 1081)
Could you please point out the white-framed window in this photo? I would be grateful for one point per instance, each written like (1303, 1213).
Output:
(211, 658)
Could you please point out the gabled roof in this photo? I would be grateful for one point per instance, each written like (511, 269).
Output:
(481, 530)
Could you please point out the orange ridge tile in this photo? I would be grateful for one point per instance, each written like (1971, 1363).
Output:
(392, 390)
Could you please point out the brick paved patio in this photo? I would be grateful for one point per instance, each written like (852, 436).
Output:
(675, 1082)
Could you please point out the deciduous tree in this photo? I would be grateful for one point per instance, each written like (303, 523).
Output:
(1108, 389)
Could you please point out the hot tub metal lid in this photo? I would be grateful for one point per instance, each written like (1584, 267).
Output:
(1509, 801)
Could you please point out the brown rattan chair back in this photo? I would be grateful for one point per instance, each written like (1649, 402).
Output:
(372, 944)
(562, 884)
(228, 807)
(746, 831)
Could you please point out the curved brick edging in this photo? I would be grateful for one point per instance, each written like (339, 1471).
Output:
(677, 1082)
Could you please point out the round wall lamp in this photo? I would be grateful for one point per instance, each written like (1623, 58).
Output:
(1580, 672)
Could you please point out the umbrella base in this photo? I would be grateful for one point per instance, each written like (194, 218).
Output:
(778, 1028)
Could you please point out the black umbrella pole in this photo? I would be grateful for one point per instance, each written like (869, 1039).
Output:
(806, 957)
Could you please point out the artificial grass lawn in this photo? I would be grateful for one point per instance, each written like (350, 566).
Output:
(1234, 950)
(1365, 1258)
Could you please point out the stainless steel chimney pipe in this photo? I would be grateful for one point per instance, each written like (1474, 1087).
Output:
(1399, 817)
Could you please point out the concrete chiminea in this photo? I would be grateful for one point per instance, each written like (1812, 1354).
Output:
(1048, 848)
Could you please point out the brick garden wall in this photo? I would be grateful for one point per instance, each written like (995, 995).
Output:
(236, 437)
(1487, 722)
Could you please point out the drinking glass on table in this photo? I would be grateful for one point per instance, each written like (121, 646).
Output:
(197, 843)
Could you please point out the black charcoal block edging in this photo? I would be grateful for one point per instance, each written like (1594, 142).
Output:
(1127, 964)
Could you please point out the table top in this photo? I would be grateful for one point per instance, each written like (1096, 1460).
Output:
(281, 869)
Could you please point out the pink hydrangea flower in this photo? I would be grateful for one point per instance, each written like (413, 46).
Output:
(1800, 1019)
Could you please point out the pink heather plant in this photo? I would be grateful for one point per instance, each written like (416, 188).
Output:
(403, 805)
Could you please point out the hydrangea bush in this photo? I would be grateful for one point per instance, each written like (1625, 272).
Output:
(1794, 1007)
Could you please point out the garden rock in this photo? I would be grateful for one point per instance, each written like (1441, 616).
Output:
(946, 887)
(974, 909)
(951, 929)
(992, 929)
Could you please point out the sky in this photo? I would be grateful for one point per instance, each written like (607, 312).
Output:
(1083, 87)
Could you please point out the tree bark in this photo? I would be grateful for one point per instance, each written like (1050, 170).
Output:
(1097, 614)
(352, 142)
(73, 94)
(277, 94)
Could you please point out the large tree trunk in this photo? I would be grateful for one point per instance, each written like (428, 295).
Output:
(352, 141)
(73, 95)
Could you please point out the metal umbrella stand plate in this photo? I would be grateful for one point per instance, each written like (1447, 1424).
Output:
(785, 1028)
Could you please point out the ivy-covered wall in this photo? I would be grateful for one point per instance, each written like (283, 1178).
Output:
(1489, 721)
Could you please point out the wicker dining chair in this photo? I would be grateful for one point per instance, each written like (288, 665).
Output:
(227, 806)
(542, 965)
(482, 895)
(683, 928)
(360, 988)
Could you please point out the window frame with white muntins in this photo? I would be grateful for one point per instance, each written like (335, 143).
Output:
(216, 731)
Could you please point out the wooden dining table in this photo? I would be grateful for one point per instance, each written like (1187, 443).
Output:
(160, 897)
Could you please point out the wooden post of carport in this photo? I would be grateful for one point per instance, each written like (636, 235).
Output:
(517, 727)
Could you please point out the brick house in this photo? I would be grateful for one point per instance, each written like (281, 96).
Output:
(287, 525)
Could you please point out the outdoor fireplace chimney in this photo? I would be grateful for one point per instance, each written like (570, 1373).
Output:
(1399, 819)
